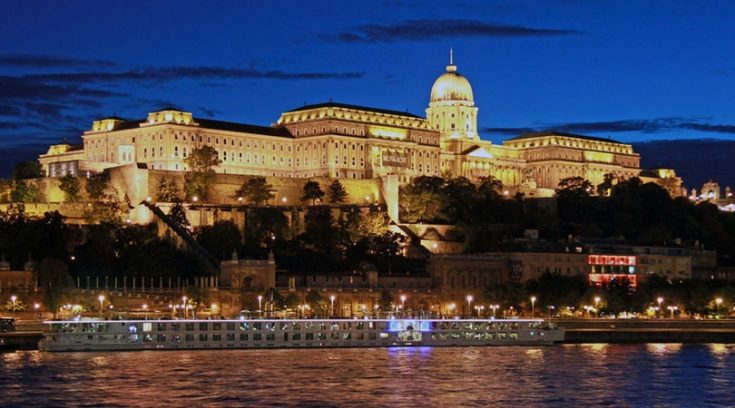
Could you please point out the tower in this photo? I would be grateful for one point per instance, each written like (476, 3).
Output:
(452, 108)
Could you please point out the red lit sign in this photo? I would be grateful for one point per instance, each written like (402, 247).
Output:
(604, 279)
(622, 260)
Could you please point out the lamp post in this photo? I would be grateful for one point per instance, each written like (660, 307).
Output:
(495, 308)
(403, 304)
(533, 306)
(659, 300)
(718, 302)
(597, 306)
(260, 305)
(185, 312)
(469, 304)
(331, 312)
(37, 306)
(672, 309)
(452, 308)
(101, 298)
(13, 299)
(145, 311)
(550, 309)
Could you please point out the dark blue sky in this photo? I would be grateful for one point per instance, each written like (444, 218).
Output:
(633, 71)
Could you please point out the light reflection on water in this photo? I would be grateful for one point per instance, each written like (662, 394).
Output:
(570, 375)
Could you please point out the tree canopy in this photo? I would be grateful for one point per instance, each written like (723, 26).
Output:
(312, 191)
(256, 190)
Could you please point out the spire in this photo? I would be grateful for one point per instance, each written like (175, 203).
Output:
(451, 67)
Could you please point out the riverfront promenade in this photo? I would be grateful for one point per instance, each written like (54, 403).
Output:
(577, 331)
(648, 330)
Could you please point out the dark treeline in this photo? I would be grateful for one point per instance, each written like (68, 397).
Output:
(640, 213)
(568, 295)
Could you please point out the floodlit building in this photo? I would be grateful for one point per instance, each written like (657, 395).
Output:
(354, 142)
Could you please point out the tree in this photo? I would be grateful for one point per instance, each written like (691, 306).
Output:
(24, 192)
(337, 192)
(256, 190)
(201, 162)
(385, 301)
(54, 279)
(313, 192)
(265, 226)
(14, 306)
(27, 169)
(167, 190)
(96, 185)
(220, 239)
(577, 185)
(203, 159)
(608, 181)
(70, 186)
(423, 200)
(317, 303)
(178, 214)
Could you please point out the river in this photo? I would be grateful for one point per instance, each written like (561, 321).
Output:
(650, 375)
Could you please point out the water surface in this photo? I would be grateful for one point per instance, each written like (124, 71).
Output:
(563, 376)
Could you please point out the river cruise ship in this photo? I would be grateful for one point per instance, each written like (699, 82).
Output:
(109, 335)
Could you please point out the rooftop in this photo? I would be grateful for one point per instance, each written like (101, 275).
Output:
(355, 107)
(533, 135)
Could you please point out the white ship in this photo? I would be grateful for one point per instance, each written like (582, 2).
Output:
(110, 335)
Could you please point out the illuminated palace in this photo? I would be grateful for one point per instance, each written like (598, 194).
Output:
(345, 141)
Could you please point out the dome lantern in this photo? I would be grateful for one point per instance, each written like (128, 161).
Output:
(451, 87)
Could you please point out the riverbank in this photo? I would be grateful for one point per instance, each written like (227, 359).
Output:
(647, 331)
(621, 331)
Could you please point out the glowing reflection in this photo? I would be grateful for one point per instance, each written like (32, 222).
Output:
(719, 350)
(662, 349)
(595, 349)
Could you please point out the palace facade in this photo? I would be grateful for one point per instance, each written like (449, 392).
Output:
(345, 141)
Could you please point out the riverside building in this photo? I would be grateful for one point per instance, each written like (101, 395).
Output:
(354, 142)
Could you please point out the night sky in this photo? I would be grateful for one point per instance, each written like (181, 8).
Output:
(629, 70)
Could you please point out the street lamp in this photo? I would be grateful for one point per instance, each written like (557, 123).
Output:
(550, 309)
(213, 309)
(101, 298)
(260, 305)
(718, 302)
(495, 308)
(403, 304)
(469, 304)
(533, 306)
(331, 298)
(452, 307)
(184, 301)
(659, 300)
(13, 299)
(672, 309)
(597, 306)
(145, 311)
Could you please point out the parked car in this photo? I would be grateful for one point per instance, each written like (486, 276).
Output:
(7, 324)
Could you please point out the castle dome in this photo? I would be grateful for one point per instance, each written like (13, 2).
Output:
(451, 87)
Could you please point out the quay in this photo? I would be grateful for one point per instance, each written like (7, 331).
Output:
(617, 331)
(647, 330)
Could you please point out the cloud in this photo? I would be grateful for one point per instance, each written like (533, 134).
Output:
(648, 126)
(25, 88)
(420, 30)
(162, 74)
(705, 127)
(210, 113)
(49, 61)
